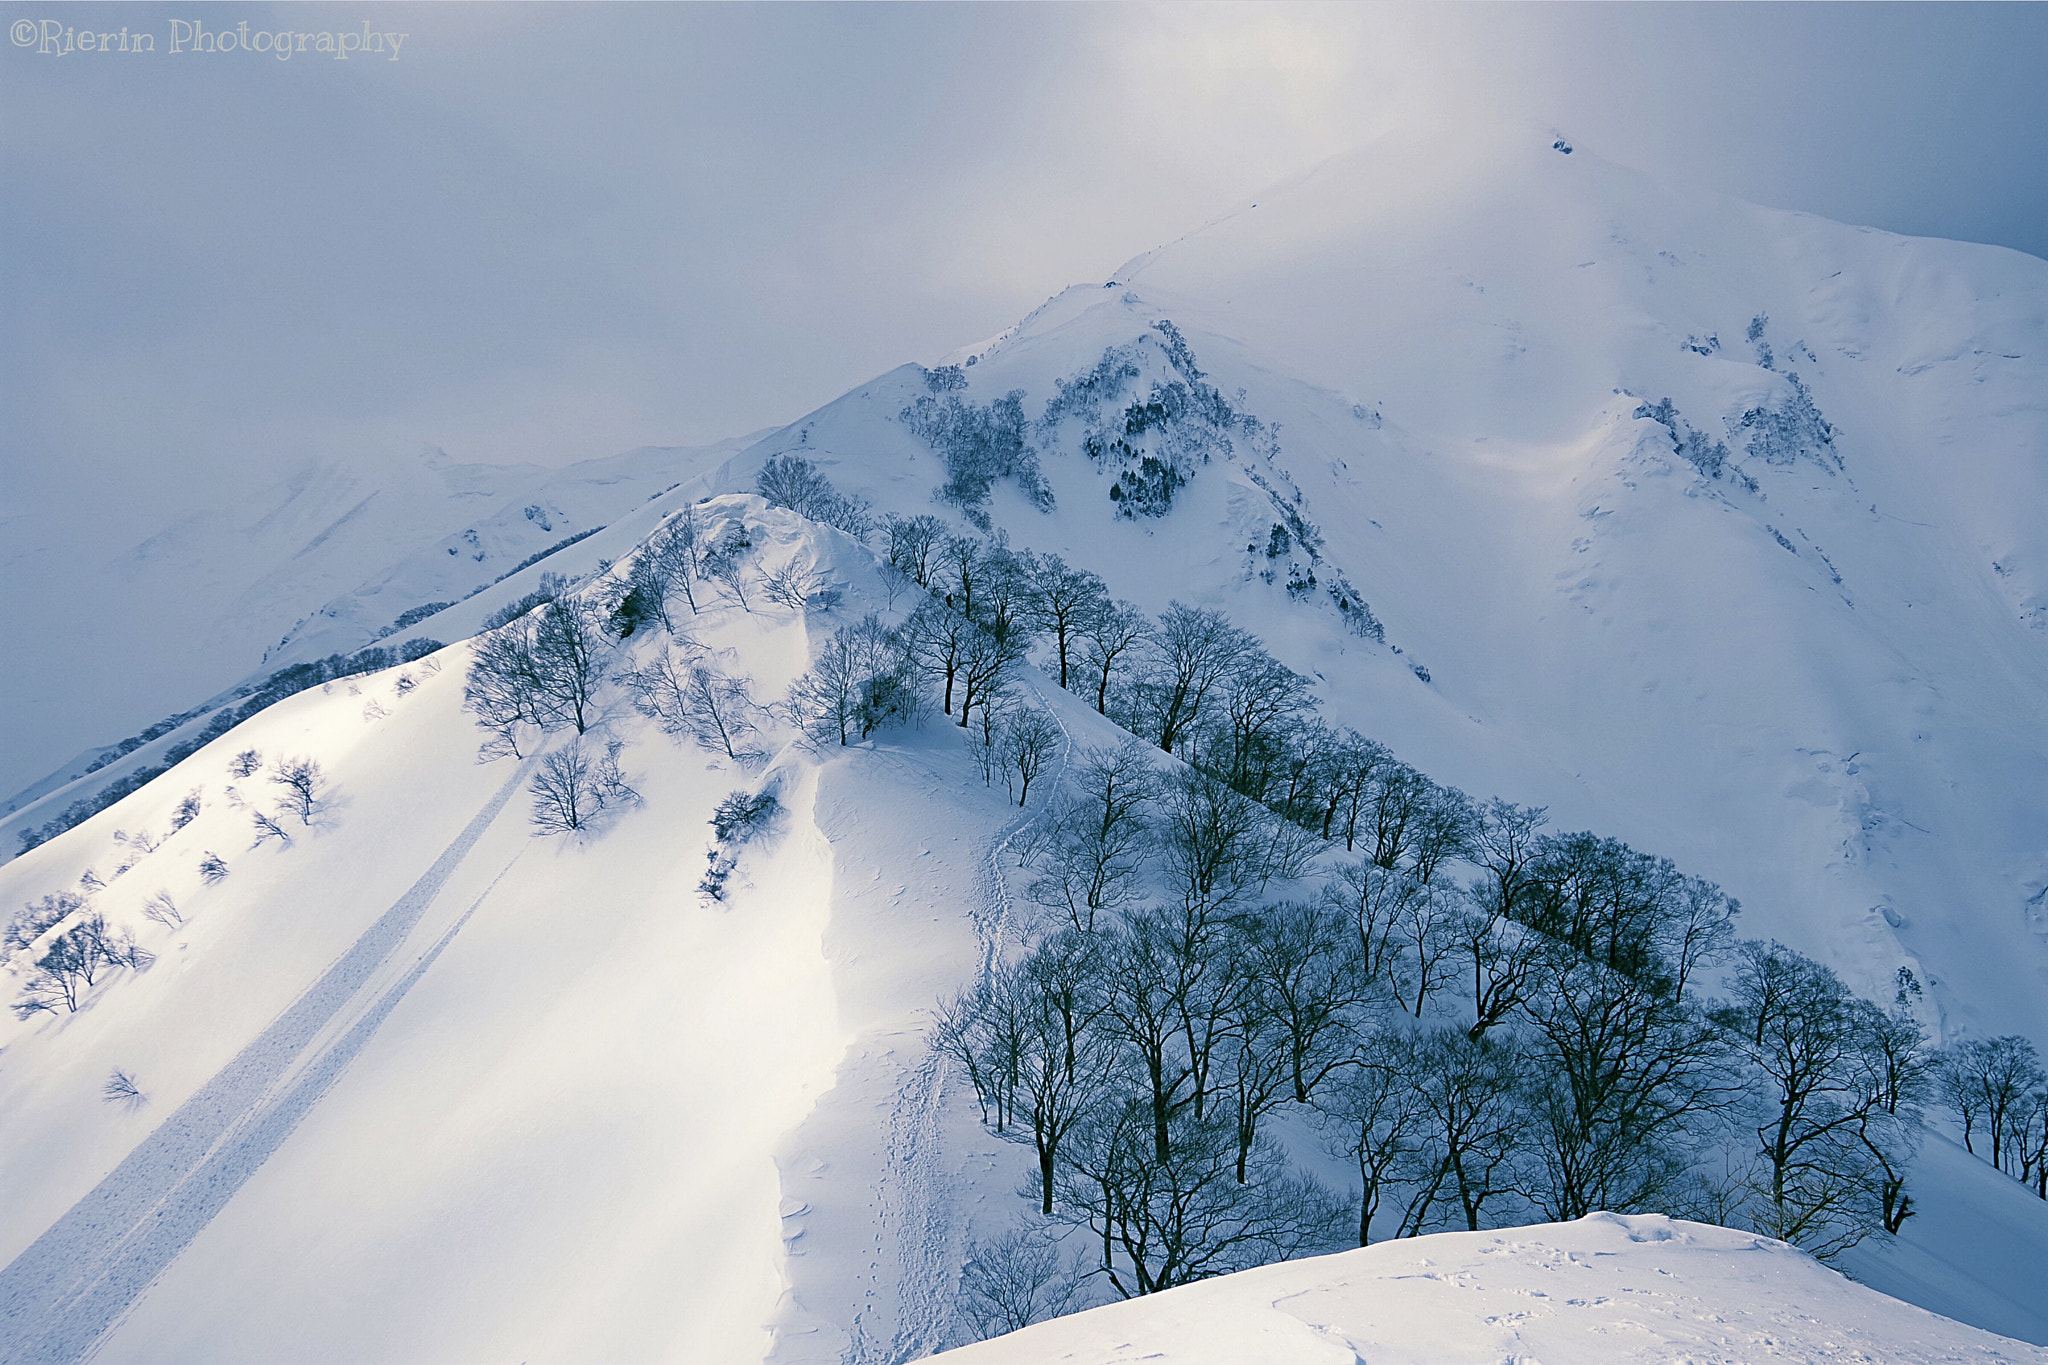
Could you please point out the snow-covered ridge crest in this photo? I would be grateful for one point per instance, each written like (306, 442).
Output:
(415, 1006)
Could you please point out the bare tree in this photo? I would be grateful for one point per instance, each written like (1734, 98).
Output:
(671, 562)
(1427, 921)
(1290, 851)
(1394, 811)
(541, 669)
(744, 816)
(1898, 1072)
(1467, 1090)
(1094, 849)
(1110, 636)
(1014, 1280)
(914, 545)
(571, 788)
(1191, 652)
(186, 812)
(1373, 1113)
(1028, 1042)
(1172, 1219)
(245, 763)
(794, 584)
(303, 787)
(1354, 768)
(1254, 1072)
(573, 658)
(161, 909)
(267, 828)
(2031, 1128)
(1798, 1025)
(666, 563)
(1371, 899)
(859, 683)
(1030, 739)
(1211, 842)
(1258, 701)
(1303, 776)
(1443, 832)
(957, 573)
(1503, 960)
(1504, 843)
(121, 1089)
(212, 868)
(1297, 958)
(938, 639)
(1059, 601)
(1985, 1081)
(789, 480)
(987, 665)
(1624, 1083)
(505, 689)
(693, 699)
(980, 1030)
(34, 920)
(1147, 1004)
(72, 962)
(725, 562)
(1004, 606)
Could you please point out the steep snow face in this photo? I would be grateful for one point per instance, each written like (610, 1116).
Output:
(1601, 1291)
(1712, 527)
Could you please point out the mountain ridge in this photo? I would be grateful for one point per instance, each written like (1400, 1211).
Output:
(1734, 659)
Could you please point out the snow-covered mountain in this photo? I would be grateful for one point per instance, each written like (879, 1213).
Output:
(1710, 527)
(1775, 606)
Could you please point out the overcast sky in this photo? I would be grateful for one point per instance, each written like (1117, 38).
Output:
(550, 233)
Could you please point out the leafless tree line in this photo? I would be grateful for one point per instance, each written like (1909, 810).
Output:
(1526, 1040)
(1998, 1092)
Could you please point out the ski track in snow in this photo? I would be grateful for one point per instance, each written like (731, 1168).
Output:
(911, 1208)
(61, 1296)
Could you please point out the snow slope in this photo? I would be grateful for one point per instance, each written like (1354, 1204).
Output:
(495, 1086)
(1601, 1291)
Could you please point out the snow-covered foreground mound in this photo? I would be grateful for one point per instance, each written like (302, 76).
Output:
(1601, 1291)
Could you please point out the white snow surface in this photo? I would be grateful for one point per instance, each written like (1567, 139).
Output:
(422, 1088)
(1606, 1290)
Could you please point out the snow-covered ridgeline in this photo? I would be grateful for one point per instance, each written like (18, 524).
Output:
(1620, 563)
